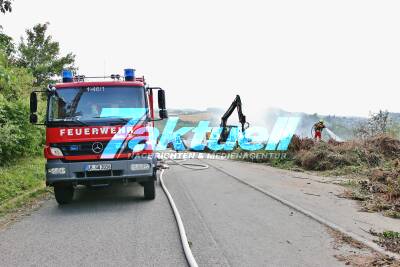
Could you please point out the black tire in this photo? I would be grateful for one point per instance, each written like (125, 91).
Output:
(149, 188)
(63, 193)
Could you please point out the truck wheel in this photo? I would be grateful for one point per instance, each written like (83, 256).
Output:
(149, 190)
(63, 193)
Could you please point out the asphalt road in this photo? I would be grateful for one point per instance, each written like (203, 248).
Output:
(102, 227)
(230, 224)
(227, 224)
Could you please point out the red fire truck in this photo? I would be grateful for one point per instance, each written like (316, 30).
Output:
(89, 128)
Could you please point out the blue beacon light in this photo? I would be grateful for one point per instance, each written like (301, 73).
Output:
(67, 76)
(129, 74)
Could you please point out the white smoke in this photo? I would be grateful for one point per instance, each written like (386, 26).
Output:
(333, 135)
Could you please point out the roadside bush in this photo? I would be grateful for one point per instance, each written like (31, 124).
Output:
(18, 137)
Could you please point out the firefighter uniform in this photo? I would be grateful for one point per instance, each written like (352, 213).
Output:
(318, 127)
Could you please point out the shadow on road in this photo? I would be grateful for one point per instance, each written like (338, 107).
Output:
(114, 198)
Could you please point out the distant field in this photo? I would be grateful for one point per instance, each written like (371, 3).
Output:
(196, 117)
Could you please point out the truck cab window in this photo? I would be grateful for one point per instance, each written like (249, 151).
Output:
(94, 104)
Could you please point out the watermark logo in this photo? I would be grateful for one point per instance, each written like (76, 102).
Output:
(252, 139)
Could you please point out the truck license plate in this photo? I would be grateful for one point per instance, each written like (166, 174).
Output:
(98, 167)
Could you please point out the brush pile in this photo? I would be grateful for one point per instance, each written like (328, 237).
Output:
(320, 156)
(376, 159)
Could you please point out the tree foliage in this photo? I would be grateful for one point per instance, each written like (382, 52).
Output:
(17, 137)
(5, 6)
(378, 123)
(41, 55)
(36, 62)
(6, 44)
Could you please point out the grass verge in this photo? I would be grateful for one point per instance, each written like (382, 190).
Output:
(389, 240)
(21, 183)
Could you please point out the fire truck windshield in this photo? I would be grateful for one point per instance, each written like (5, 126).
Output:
(96, 104)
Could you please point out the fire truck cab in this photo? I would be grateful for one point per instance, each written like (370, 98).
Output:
(97, 132)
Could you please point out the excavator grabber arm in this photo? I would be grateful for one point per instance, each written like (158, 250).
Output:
(236, 104)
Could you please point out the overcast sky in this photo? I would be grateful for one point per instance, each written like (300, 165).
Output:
(329, 57)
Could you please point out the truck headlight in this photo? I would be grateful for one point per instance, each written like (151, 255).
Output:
(56, 171)
(56, 151)
(140, 167)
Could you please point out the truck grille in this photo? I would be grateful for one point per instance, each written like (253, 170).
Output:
(84, 148)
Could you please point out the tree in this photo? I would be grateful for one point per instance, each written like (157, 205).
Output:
(378, 123)
(17, 136)
(5, 6)
(6, 44)
(41, 55)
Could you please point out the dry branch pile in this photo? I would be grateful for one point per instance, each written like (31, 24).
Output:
(376, 159)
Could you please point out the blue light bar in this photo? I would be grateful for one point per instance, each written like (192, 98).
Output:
(129, 74)
(67, 76)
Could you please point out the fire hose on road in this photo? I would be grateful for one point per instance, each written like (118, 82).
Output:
(185, 244)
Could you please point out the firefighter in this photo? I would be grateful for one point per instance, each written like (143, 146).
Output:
(318, 127)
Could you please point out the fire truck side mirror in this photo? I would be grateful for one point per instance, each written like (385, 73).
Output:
(161, 104)
(163, 114)
(33, 118)
(33, 102)
(161, 99)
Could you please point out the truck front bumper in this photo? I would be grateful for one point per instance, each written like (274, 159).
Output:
(121, 170)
